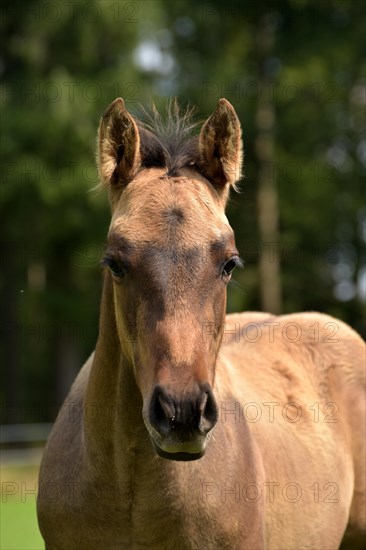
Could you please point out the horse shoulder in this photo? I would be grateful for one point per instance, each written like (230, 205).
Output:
(338, 370)
(312, 366)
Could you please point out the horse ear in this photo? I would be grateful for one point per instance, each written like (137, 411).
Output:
(118, 154)
(220, 147)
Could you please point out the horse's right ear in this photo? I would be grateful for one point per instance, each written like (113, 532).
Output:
(118, 154)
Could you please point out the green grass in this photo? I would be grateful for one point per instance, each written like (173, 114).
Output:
(18, 526)
(18, 518)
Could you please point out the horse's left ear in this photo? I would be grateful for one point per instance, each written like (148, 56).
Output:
(220, 147)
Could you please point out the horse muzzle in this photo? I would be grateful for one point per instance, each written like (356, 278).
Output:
(180, 426)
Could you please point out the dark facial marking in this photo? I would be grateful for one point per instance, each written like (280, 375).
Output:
(174, 215)
(224, 248)
(119, 244)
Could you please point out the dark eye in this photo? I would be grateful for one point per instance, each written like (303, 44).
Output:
(114, 267)
(230, 265)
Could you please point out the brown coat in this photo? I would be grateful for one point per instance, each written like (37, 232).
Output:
(267, 412)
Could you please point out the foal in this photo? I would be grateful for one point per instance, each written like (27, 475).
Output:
(187, 429)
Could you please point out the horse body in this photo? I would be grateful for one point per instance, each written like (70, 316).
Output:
(260, 416)
(268, 483)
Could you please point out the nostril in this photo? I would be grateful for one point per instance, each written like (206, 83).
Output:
(203, 403)
(162, 412)
(209, 412)
(167, 407)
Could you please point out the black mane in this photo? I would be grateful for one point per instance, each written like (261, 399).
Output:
(168, 141)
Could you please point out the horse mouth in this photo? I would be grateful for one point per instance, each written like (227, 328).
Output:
(178, 450)
(179, 455)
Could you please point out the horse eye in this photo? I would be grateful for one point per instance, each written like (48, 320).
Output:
(231, 265)
(114, 267)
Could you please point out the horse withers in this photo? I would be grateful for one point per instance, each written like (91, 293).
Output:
(186, 428)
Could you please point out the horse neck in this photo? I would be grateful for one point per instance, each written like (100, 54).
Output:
(113, 402)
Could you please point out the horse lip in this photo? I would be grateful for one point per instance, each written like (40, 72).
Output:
(169, 452)
(177, 456)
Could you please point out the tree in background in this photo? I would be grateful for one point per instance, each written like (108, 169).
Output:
(294, 72)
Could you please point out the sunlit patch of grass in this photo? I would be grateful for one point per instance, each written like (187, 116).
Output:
(18, 519)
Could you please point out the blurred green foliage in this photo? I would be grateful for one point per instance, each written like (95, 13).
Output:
(64, 62)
